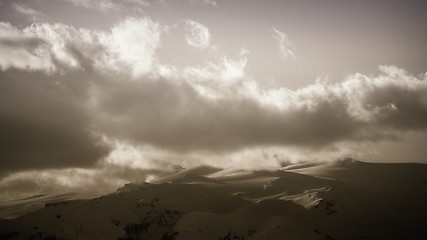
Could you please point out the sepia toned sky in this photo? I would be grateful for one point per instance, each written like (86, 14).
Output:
(97, 93)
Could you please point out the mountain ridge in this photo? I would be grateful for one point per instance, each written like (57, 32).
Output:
(210, 203)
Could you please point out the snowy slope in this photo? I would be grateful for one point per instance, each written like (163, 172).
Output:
(340, 200)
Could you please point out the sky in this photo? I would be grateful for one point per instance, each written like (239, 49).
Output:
(97, 93)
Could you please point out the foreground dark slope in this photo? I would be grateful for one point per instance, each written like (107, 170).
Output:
(341, 200)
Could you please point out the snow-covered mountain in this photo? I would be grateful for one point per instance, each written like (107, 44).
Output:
(346, 199)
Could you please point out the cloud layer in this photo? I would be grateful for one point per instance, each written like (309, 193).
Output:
(69, 97)
(182, 115)
(213, 107)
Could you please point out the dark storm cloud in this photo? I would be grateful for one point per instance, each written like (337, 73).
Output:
(171, 114)
(43, 124)
(398, 108)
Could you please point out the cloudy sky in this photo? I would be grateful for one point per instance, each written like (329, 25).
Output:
(96, 93)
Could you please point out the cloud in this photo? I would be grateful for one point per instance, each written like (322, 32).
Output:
(19, 50)
(183, 114)
(197, 35)
(130, 45)
(215, 75)
(43, 46)
(44, 124)
(133, 42)
(286, 47)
